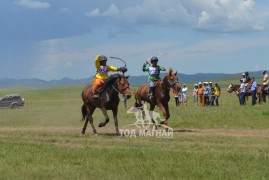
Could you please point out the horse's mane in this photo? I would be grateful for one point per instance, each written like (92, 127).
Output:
(109, 81)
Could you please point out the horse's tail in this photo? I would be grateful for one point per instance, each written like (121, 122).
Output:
(84, 112)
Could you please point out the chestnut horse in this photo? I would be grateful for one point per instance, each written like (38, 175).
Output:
(161, 94)
(235, 88)
(108, 100)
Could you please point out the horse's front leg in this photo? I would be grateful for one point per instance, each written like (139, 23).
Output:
(165, 110)
(102, 124)
(115, 116)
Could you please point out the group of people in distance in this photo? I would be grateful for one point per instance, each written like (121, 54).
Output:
(249, 84)
(205, 94)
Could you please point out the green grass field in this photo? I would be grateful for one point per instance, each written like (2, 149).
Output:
(42, 140)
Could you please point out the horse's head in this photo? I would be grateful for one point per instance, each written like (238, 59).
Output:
(230, 88)
(122, 86)
(172, 80)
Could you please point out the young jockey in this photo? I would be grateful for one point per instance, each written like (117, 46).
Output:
(154, 73)
(101, 75)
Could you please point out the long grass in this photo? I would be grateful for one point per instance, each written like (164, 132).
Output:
(42, 141)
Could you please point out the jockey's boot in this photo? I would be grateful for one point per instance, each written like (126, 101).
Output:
(151, 92)
(95, 96)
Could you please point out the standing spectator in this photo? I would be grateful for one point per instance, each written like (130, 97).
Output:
(175, 92)
(244, 78)
(265, 81)
(185, 94)
(195, 94)
(253, 91)
(211, 93)
(206, 91)
(242, 91)
(201, 94)
(217, 93)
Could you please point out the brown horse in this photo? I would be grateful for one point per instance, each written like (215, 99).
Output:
(108, 100)
(264, 92)
(235, 88)
(161, 94)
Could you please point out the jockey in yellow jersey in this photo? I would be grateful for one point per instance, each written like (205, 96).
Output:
(102, 73)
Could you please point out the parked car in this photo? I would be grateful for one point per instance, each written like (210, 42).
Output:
(12, 101)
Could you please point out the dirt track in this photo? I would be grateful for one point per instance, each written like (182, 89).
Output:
(184, 132)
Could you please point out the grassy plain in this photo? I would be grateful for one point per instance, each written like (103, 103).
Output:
(42, 141)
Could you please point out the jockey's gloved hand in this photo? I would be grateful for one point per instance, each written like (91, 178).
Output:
(122, 69)
(146, 62)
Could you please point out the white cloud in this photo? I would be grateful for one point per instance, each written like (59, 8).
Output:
(95, 12)
(111, 11)
(169, 12)
(230, 16)
(212, 15)
(32, 4)
(204, 17)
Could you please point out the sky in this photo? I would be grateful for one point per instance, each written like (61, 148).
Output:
(53, 39)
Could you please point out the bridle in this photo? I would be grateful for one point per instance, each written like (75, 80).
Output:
(172, 84)
(121, 89)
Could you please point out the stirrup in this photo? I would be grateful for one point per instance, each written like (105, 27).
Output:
(95, 96)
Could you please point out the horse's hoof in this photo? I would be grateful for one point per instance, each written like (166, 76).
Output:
(82, 132)
(161, 122)
(100, 125)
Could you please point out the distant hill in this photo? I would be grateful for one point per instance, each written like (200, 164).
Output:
(134, 80)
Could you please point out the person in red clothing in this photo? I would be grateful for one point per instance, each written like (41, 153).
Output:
(176, 96)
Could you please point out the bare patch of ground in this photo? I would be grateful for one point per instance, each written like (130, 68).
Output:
(111, 131)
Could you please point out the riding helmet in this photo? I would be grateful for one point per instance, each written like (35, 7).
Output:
(153, 58)
(103, 58)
